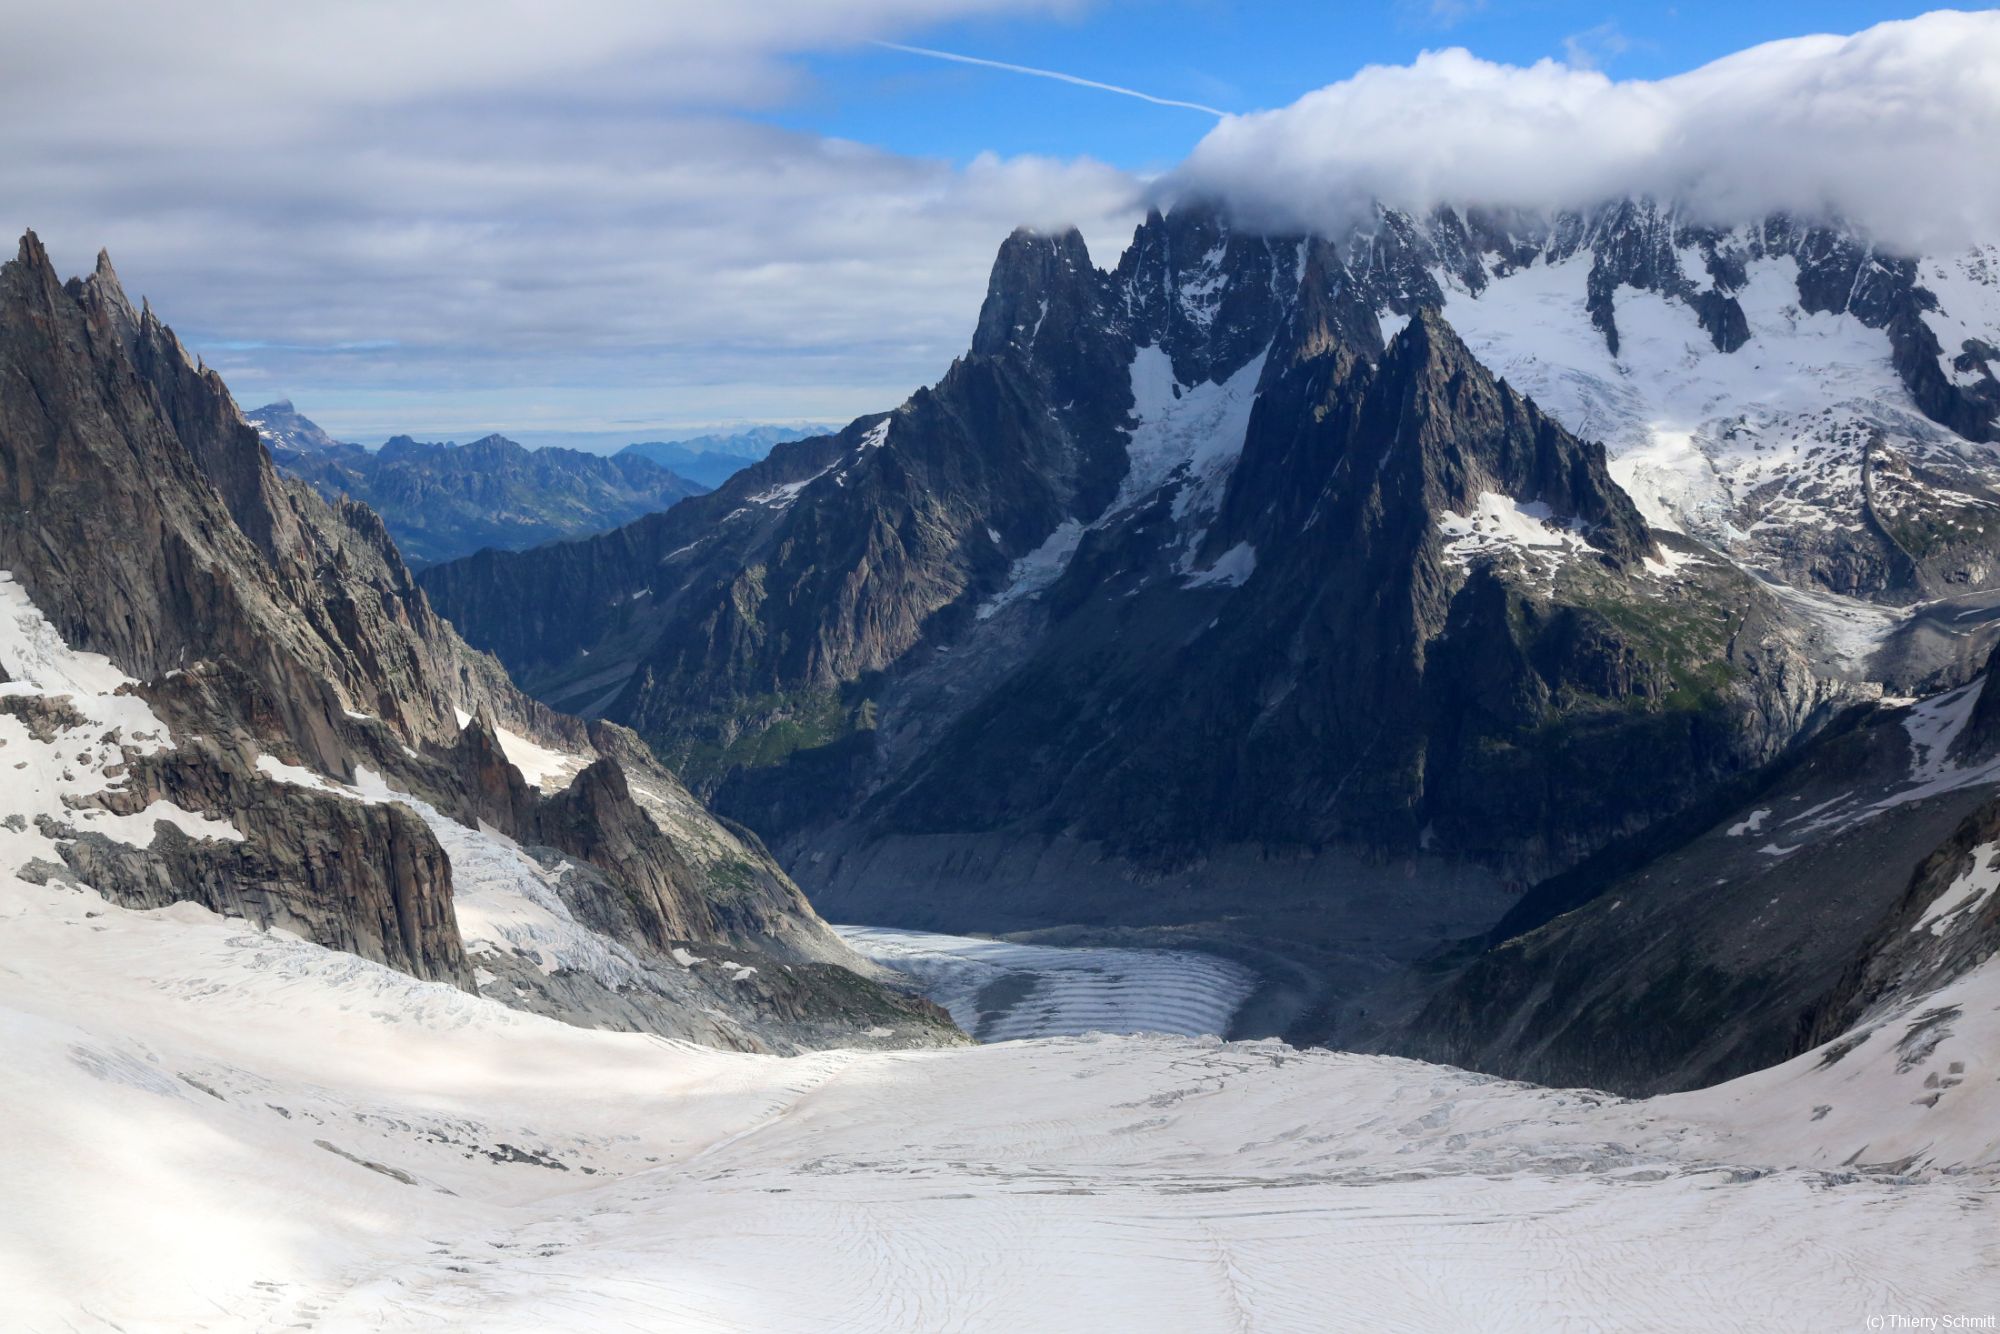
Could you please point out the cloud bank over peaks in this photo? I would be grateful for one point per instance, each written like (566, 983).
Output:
(1895, 129)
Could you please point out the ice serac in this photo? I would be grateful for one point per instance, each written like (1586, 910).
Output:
(316, 749)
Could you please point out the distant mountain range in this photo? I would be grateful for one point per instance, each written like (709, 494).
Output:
(714, 459)
(446, 500)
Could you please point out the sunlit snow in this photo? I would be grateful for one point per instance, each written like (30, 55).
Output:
(209, 1126)
(1965, 895)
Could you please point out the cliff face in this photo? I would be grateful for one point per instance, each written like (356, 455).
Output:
(1249, 486)
(311, 729)
(1383, 661)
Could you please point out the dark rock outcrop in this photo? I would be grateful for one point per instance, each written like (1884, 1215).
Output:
(367, 879)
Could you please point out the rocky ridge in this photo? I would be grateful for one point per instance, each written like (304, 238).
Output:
(1797, 904)
(309, 716)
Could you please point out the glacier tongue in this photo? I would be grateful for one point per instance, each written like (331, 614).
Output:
(997, 990)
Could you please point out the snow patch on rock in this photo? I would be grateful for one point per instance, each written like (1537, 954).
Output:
(1232, 569)
(1499, 524)
(1964, 896)
(549, 770)
(1037, 570)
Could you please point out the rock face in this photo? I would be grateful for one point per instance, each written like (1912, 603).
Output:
(442, 501)
(840, 570)
(283, 652)
(1380, 678)
(370, 880)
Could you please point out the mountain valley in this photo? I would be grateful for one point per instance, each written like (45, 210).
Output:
(1407, 737)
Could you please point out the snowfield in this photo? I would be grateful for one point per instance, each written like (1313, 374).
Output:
(210, 1127)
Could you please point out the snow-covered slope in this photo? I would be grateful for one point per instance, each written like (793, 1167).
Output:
(1907, 1088)
(72, 727)
(1798, 453)
(205, 1126)
(67, 721)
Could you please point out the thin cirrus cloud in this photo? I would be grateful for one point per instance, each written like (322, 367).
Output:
(1892, 129)
(1057, 75)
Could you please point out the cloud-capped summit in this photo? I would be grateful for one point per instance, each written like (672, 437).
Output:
(1892, 130)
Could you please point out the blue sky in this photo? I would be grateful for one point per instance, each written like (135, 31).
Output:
(1243, 57)
(627, 219)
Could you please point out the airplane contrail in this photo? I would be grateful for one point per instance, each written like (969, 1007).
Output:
(1057, 75)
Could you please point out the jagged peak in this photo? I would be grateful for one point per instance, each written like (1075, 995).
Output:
(1428, 340)
(1328, 316)
(1494, 438)
(30, 251)
(1034, 260)
(103, 297)
(153, 329)
(1032, 271)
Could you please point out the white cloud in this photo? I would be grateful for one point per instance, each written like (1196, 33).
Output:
(461, 216)
(456, 216)
(1595, 47)
(1896, 129)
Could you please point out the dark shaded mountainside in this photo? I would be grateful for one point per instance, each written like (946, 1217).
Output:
(1786, 909)
(289, 654)
(441, 501)
(1226, 596)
